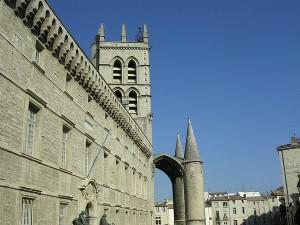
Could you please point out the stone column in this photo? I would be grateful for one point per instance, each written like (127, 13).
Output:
(178, 198)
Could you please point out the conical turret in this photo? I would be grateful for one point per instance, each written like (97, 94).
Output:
(101, 32)
(191, 147)
(193, 181)
(178, 149)
(124, 33)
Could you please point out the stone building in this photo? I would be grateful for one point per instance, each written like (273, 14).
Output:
(164, 212)
(289, 156)
(246, 209)
(75, 134)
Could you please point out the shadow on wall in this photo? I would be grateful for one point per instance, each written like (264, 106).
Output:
(273, 217)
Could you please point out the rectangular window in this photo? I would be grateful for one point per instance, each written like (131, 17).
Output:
(235, 222)
(224, 204)
(64, 146)
(243, 210)
(27, 205)
(234, 210)
(217, 214)
(87, 156)
(157, 220)
(62, 214)
(31, 127)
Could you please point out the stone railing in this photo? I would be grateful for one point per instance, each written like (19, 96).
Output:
(45, 25)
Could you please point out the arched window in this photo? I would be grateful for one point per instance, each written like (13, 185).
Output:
(133, 102)
(119, 95)
(117, 72)
(131, 72)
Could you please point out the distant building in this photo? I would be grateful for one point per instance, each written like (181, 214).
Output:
(250, 208)
(164, 212)
(289, 156)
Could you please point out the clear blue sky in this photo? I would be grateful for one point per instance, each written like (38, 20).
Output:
(232, 66)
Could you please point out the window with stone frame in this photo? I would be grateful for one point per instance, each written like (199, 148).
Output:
(157, 220)
(117, 72)
(234, 210)
(88, 156)
(27, 211)
(132, 72)
(133, 102)
(62, 213)
(31, 128)
(64, 147)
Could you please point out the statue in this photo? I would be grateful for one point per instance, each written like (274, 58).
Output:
(103, 220)
(81, 220)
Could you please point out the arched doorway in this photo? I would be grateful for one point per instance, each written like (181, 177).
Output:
(172, 167)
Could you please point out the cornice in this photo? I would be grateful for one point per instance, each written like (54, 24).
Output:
(38, 16)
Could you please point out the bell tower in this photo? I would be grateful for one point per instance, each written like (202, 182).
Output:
(125, 66)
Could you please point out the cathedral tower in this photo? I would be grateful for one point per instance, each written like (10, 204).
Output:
(125, 66)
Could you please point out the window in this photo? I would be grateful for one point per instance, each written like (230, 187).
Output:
(243, 210)
(132, 102)
(216, 204)
(242, 201)
(27, 209)
(218, 223)
(224, 204)
(64, 146)
(31, 127)
(254, 212)
(217, 214)
(131, 72)
(157, 220)
(234, 211)
(87, 156)
(62, 214)
(235, 222)
(117, 72)
(119, 95)
(233, 201)
(164, 209)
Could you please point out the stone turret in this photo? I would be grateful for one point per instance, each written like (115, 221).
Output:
(124, 33)
(101, 32)
(193, 181)
(145, 34)
(178, 149)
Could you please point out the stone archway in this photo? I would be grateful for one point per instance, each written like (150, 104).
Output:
(172, 167)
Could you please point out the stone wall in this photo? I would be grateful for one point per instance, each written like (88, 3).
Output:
(72, 95)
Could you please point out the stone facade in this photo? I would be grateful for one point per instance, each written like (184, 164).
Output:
(289, 156)
(246, 209)
(164, 213)
(67, 143)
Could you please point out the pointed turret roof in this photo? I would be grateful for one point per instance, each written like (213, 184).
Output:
(178, 149)
(191, 147)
